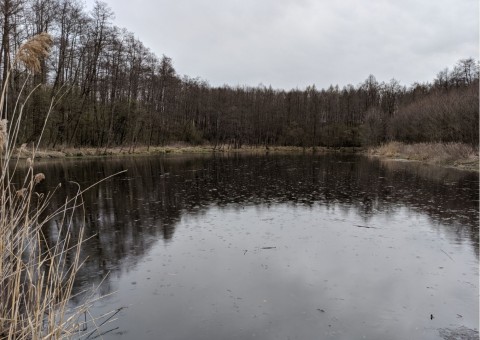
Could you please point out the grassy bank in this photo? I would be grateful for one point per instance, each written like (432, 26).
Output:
(172, 149)
(456, 155)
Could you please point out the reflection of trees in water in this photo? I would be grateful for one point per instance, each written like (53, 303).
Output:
(127, 214)
(447, 196)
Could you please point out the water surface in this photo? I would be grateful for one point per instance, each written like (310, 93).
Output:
(279, 247)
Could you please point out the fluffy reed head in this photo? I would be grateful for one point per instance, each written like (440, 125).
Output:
(3, 134)
(21, 193)
(38, 178)
(31, 52)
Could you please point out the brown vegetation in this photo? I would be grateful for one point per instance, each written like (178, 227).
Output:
(451, 154)
(39, 259)
(178, 148)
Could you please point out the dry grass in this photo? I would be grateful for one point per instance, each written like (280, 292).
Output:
(450, 154)
(177, 148)
(39, 261)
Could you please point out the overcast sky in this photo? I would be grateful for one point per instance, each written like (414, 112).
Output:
(295, 43)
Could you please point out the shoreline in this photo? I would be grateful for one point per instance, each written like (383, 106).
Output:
(467, 166)
(452, 155)
(86, 152)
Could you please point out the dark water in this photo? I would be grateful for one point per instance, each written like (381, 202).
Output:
(279, 247)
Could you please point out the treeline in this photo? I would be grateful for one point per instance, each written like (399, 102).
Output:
(109, 90)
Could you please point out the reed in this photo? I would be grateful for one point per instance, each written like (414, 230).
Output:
(455, 154)
(39, 261)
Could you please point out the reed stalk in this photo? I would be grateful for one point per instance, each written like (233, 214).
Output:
(38, 262)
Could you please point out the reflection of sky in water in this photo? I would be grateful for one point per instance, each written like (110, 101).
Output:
(327, 277)
(362, 247)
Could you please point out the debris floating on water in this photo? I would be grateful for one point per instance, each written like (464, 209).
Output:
(447, 254)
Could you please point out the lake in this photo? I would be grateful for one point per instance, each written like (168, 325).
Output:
(277, 246)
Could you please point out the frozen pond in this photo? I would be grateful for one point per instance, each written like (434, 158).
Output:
(279, 247)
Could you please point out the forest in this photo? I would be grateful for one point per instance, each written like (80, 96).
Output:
(102, 87)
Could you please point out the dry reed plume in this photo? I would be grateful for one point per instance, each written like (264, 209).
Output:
(31, 53)
(3, 134)
(38, 263)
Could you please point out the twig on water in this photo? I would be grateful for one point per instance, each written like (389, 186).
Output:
(109, 331)
(447, 254)
(104, 322)
(364, 226)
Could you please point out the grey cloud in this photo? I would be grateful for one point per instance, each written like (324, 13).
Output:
(290, 43)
